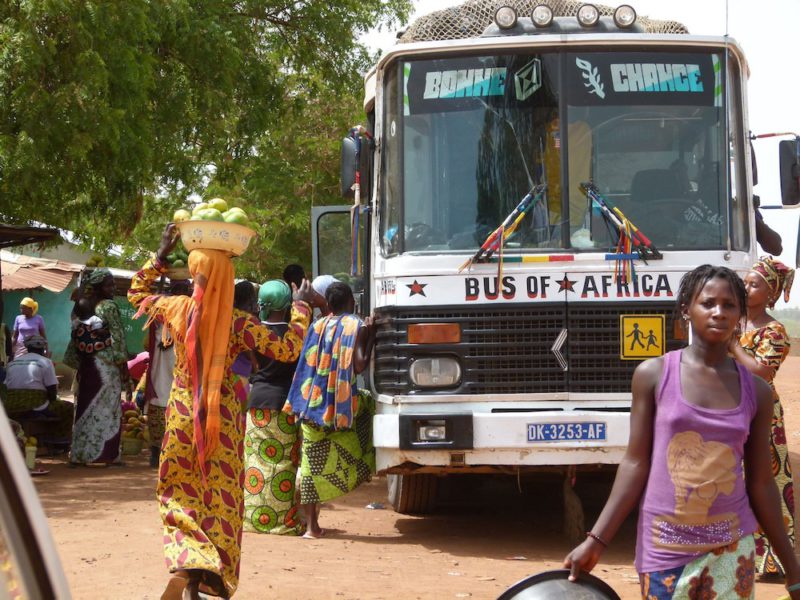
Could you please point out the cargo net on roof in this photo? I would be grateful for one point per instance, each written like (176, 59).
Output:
(474, 16)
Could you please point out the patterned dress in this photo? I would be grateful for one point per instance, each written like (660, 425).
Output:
(769, 345)
(203, 519)
(272, 455)
(96, 434)
(724, 573)
(338, 454)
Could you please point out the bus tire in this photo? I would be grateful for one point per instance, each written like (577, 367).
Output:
(412, 494)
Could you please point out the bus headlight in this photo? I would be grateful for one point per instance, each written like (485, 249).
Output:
(542, 15)
(505, 17)
(434, 372)
(624, 16)
(588, 15)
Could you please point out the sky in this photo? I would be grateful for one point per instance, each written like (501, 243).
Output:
(767, 32)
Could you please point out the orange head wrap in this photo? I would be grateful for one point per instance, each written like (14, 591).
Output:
(207, 338)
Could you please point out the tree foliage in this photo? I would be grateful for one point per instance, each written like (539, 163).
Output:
(112, 114)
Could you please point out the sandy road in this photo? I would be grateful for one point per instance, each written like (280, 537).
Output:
(488, 535)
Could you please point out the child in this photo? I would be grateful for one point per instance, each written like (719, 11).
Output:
(337, 455)
(761, 349)
(697, 460)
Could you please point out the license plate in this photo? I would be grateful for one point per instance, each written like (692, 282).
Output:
(567, 432)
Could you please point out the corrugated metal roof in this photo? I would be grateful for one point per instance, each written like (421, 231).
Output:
(20, 272)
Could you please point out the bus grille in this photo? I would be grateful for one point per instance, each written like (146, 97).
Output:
(508, 351)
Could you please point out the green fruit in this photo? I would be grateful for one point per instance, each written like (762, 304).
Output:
(199, 207)
(181, 215)
(178, 263)
(171, 258)
(237, 217)
(210, 214)
(219, 204)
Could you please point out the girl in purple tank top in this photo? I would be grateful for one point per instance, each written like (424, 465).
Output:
(697, 461)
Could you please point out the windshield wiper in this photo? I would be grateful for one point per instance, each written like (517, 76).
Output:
(631, 239)
(498, 237)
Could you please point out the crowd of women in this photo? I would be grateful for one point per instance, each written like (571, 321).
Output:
(244, 392)
(254, 397)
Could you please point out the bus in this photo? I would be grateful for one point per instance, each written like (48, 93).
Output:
(528, 189)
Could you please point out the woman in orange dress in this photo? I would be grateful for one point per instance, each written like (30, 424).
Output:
(201, 470)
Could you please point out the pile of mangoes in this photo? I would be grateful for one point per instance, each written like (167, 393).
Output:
(133, 425)
(215, 209)
(179, 257)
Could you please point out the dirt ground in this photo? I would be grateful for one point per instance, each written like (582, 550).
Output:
(486, 536)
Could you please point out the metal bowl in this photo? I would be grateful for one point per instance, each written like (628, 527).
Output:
(555, 585)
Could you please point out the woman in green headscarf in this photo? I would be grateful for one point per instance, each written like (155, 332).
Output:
(102, 368)
(271, 443)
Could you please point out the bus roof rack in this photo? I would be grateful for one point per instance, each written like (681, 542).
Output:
(470, 19)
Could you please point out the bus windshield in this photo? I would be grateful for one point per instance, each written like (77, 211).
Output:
(464, 139)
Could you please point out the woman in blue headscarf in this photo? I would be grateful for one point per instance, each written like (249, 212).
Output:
(271, 443)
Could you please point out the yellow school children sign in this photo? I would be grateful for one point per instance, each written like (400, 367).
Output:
(641, 336)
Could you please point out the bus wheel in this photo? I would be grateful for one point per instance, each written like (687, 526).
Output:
(412, 494)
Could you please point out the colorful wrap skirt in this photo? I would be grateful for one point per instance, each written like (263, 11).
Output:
(726, 573)
(272, 455)
(202, 517)
(156, 424)
(335, 463)
(23, 401)
(767, 562)
(97, 432)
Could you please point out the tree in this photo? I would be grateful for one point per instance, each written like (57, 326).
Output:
(112, 109)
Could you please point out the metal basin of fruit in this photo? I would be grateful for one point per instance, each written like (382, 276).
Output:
(216, 235)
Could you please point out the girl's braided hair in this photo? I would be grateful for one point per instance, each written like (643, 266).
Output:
(693, 281)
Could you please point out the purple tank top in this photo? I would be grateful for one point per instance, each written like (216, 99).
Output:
(695, 499)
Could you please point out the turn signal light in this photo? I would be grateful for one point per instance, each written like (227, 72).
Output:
(434, 333)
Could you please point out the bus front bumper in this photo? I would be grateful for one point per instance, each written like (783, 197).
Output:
(465, 439)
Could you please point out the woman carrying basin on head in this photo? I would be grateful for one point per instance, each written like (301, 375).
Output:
(200, 474)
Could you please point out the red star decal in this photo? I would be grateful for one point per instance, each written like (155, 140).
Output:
(416, 288)
(566, 284)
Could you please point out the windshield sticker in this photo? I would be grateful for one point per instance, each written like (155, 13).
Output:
(645, 78)
(465, 83)
(449, 85)
(528, 79)
(592, 77)
(656, 77)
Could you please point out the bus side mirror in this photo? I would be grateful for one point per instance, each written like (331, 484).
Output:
(789, 156)
(348, 167)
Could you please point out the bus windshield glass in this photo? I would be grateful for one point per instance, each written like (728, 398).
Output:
(464, 139)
